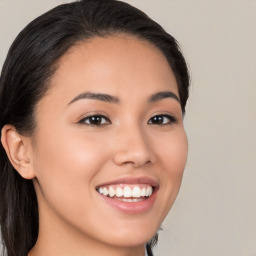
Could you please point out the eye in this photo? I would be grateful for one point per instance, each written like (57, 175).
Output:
(95, 120)
(162, 120)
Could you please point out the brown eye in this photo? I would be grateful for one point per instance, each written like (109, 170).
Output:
(95, 120)
(162, 120)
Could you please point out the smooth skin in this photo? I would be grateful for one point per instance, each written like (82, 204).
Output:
(71, 152)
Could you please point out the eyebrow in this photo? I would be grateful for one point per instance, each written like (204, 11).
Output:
(163, 95)
(95, 96)
(113, 99)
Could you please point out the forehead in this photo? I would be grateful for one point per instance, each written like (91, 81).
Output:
(118, 65)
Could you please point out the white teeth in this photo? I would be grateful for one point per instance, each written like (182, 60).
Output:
(119, 192)
(127, 192)
(111, 192)
(149, 191)
(105, 192)
(143, 192)
(133, 192)
(136, 192)
(130, 200)
(101, 190)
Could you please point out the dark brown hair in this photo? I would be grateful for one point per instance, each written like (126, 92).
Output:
(25, 78)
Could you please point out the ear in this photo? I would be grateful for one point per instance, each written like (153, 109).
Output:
(19, 151)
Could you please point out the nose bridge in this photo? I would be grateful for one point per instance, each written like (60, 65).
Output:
(133, 146)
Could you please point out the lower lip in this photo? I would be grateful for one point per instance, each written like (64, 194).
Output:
(131, 207)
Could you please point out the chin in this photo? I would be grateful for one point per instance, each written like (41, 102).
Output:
(132, 236)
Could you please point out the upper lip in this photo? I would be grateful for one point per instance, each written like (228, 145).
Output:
(132, 180)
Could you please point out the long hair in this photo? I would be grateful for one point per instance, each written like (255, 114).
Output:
(26, 76)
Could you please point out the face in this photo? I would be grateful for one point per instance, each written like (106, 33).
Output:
(110, 147)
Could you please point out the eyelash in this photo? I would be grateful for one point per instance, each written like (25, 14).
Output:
(94, 118)
(154, 120)
(166, 119)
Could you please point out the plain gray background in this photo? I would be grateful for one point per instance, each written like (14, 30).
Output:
(215, 213)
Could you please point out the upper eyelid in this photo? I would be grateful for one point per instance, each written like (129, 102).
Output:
(104, 115)
(92, 113)
(164, 114)
(172, 118)
(81, 120)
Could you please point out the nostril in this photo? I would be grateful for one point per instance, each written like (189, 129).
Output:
(133, 150)
(131, 158)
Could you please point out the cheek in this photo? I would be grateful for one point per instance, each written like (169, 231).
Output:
(172, 151)
(177, 157)
(173, 155)
(66, 165)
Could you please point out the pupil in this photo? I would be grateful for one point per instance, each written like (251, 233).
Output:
(95, 120)
(158, 119)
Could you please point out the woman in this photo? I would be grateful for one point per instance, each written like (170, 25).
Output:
(92, 98)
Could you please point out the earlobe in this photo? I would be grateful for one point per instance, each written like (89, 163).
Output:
(18, 150)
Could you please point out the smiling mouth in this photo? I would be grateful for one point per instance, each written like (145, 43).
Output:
(130, 193)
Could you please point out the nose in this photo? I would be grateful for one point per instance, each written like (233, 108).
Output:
(133, 147)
